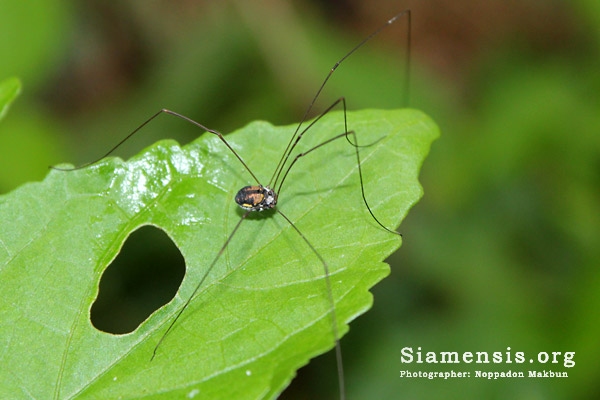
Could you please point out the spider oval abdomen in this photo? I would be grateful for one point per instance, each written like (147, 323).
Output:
(256, 198)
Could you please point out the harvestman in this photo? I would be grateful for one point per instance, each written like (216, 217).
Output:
(264, 197)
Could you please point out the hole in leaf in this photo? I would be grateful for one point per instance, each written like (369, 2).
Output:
(144, 276)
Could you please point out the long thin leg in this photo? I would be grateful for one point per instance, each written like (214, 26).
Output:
(175, 114)
(358, 163)
(293, 141)
(298, 156)
(211, 266)
(338, 348)
(281, 166)
(362, 187)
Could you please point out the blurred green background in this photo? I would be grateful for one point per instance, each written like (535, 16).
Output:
(503, 250)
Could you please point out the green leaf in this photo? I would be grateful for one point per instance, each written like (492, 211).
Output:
(9, 90)
(263, 311)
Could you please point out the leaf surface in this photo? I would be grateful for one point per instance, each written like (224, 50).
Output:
(262, 312)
